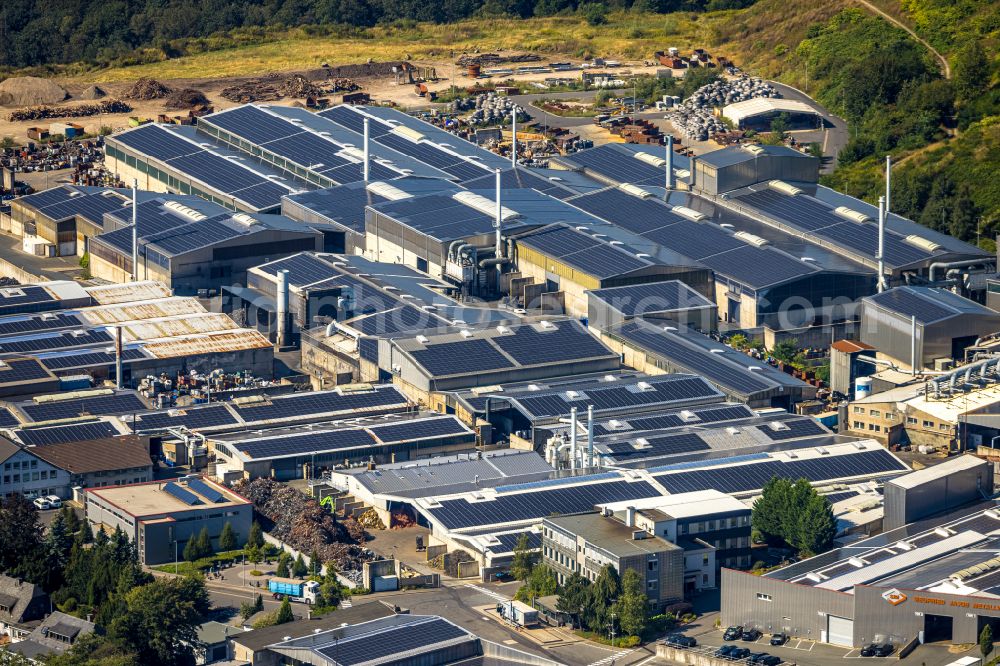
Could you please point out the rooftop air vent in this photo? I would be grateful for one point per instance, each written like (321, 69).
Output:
(922, 243)
(387, 191)
(688, 416)
(645, 386)
(754, 149)
(753, 239)
(852, 215)
(641, 444)
(689, 213)
(484, 205)
(546, 325)
(784, 188)
(504, 330)
(411, 134)
(465, 333)
(353, 153)
(822, 451)
(856, 562)
(732, 430)
(658, 162)
(778, 426)
(248, 220)
(422, 339)
(635, 190)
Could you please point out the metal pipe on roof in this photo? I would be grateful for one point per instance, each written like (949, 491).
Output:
(572, 438)
(499, 220)
(135, 230)
(913, 345)
(590, 435)
(670, 163)
(281, 309)
(118, 358)
(513, 137)
(691, 165)
(367, 161)
(888, 184)
(881, 244)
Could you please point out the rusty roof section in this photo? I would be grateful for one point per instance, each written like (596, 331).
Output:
(110, 294)
(181, 325)
(851, 346)
(141, 310)
(206, 343)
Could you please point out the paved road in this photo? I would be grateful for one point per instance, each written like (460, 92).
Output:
(945, 67)
(55, 268)
(836, 133)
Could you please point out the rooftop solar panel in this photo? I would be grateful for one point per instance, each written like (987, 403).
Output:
(74, 432)
(182, 494)
(156, 142)
(48, 341)
(444, 426)
(758, 267)
(466, 356)
(567, 342)
(667, 445)
(254, 124)
(911, 304)
(803, 212)
(618, 166)
(206, 491)
(794, 428)
(126, 403)
(305, 443)
(88, 359)
(316, 403)
(14, 371)
(14, 325)
(7, 419)
(405, 639)
(194, 418)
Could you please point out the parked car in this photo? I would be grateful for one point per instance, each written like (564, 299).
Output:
(877, 650)
(763, 659)
(724, 651)
(732, 633)
(738, 654)
(54, 501)
(680, 640)
(779, 639)
(41, 504)
(750, 634)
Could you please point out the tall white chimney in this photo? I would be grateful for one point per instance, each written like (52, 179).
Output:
(590, 435)
(888, 185)
(499, 220)
(670, 163)
(881, 244)
(135, 230)
(913, 345)
(281, 308)
(367, 161)
(572, 438)
(513, 137)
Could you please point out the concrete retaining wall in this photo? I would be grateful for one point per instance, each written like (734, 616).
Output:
(22, 276)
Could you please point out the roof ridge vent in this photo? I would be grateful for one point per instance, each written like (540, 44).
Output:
(784, 188)
(754, 149)
(484, 205)
(246, 219)
(504, 330)
(688, 416)
(923, 243)
(778, 426)
(547, 325)
(689, 213)
(465, 333)
(648, 158)
(387, 191)
(852, 215)
(753, 239)
(409, 133)
(635, 190)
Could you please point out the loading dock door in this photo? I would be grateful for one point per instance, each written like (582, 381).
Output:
(839, 630)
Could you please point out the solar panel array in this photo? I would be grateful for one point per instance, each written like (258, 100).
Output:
(305, 443)
(911, 304)
(666, 389)
(326, 402)
(74, 432)
(206, 491)
(49, 341)
(215, 171)
(460, 513)
(665, 421)
(7, 419)
(805, 427)
(126, 403)
(617, 165)
(582, 251)
(195, 418)
(407, 638)
(438, 216)
(666, 445)
(566, 342)
(513, 179)
(182, 494)
(444, 426)
(65, 202)
(26, 370)
(397, 320)
(639, 299)
(694, 359)
(753, 476)
(508, 542)
(88, 359)
(817, 218)
(465, 356)
(32, 323)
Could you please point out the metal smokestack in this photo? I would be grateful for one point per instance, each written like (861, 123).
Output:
(572, 438)
(499, 220)
(913, 345)
(881, 244)
(670, 162)
(590, 435)
(691, 165)
(513, 137)
(367, 161)
(135, 230)
(118, 358)
(281, 309)
(888, 185)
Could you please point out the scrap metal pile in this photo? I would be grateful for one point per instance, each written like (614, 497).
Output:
(489, 109)
(303, 524)
(694, 118)
(48, 112)
(489, 59)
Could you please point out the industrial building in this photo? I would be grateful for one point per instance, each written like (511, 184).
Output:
(585, 543)
(160, 517)
(924, 327)
(28, 474)
(932, 581)
(948, 412)
(653, 348)
(160, 333)
(307, 451)
(759, 112)
(55, 295)
(939, 489)
(670, 301)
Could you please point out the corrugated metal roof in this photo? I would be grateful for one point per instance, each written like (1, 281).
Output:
(109, 294)
(142, 310)
(210, 343)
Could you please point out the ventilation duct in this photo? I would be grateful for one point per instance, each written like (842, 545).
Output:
(411, 134)
(784, 188)
(484, 205)
(689, 213)
(754, 149)
(186, 211)
(352, 153)
(852, 215)
(245, 219)
(922, 243)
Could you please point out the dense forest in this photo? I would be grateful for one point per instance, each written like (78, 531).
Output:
(105, 32)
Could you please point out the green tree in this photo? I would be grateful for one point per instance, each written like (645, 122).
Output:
(604, 593)
(282, 570)
(160, 624)
(633, 606)
(816, 526)
(258, 603)
(971, 70)
(256, 537)
(6, 143)
(523, 561)
(93, 650)
(574, 597)
(315, 565)
(768, 513)
(786, 351)
(227, 538)
(299, 568)
(541, 583)
(986, 642)
(779, 126)
(205, 543)
(191, 550)
(595, 13)
(247, 610)
(20, 537)
(284, 613)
